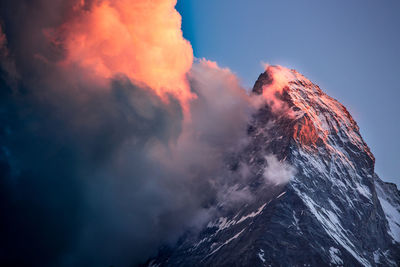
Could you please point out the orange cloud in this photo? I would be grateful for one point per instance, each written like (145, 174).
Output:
(141, 39)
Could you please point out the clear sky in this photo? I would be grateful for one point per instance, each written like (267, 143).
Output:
(351, 49)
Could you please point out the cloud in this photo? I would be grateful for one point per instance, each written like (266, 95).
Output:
(77, 179)
(217, 129)
(97, 173)
(7, 64)
(277, 172)
(112, 141)
(141, 39)
(273, 89)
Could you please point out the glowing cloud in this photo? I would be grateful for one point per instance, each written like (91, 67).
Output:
(281, 77)
(141, 39)
(272, 91)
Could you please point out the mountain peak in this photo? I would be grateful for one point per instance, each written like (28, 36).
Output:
(318, 120)
(333, 210)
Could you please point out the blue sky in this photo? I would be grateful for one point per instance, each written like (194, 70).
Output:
(351, 49)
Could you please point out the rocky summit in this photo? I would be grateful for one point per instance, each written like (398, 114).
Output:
(333, 209)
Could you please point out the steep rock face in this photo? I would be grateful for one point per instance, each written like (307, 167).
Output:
(334, 211)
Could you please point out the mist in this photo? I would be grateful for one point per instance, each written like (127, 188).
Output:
(102, 165)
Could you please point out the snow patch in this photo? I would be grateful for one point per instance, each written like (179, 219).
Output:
(226, 242)
(153, 264)
(392, 213)
(223, 223)
(363, 190)
(261, 255)
(253, 214)
(200, 242)
(332, 226)
(377, 256)
(335, 256)
(393, 218)
(281, 194)
(333, 205)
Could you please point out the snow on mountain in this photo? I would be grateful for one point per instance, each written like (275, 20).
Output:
(389, 198)
(323, 205)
